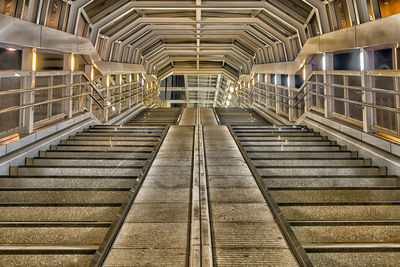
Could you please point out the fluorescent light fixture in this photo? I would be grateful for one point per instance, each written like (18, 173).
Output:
(324, 62)
(92, 73)
(275, 80)
(304, 74)
(108, 81)
(231, 89)
(11, 49)
(230, 96)
(108, 103)
(227, 103)
(362, 67)
(113, 108)
(34, 60)
(288, 81)
(72, 62)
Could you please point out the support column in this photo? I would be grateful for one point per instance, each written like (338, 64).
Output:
(69, 65)
(28, 64)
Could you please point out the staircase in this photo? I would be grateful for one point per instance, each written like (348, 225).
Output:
(57, 209)
(344, 210)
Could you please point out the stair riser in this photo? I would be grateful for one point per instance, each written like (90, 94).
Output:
(63, 197)
(320, 171)
(348, 234)
(355, 259)
(292, 148)
(309, 163)
(97, 155)
(45, 259)
(108, 143)
(331, 196)
(57, 214)
(330, 182)
(274, 138)
(65, 183)
(341, 213)
(87, 163)
(102, 148)
(294, 155)
(52, 235)
(43, 171)
(289, 143)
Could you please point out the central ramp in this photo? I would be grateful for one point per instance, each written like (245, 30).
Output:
(156, 231)
(243, 228)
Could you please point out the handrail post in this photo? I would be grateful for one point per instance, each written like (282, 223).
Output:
(277, 104)
(89, 100)
(130, 90)
(68, 65)
(119, 82)
(307, 97)
(28, 63)
(367, 63)
(106, 84)
(291, 84)
(328, 57)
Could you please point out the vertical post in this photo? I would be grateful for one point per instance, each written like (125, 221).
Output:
(29, 62)
(106, 84)
(366, 63)
(69, 65)
(328, 66)
(397, 88)
(291, 84)
(89, 101)
(119, 82)
(130, 90)
(346, 95)
(307, 99)
(277, 98)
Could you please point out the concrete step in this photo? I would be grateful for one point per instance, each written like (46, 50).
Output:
(310, 232)
(354, 255)
(338, 195)
(288, 143)
(281, 133)
(302, 155)
(118, 134)
(97, 155)
(58, 213)
(63, 162)
(311, 162)
(124, 127)
(113, 138)
(281, 137)
(75, 171)
(62, 196)
(108, 143)
(52, 233)
(320, 171)
(46, 256)
(269, 127)
(63, 182)
(267, 149)
(123, 130)
(270, 130)
(100, 148)
(331, 181)
(345, 212)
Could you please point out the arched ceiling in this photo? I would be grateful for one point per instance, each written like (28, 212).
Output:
(189, 37)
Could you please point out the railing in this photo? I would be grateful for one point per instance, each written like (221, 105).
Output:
(30, 100)
(339, 94)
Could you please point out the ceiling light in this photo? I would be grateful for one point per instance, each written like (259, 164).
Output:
(230, 96)
(11, 49)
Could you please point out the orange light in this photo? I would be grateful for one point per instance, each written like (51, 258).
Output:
(72, 62)
(91, 73)
(34, 60)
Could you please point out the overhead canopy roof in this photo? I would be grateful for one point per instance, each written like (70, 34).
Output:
(195, 37)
